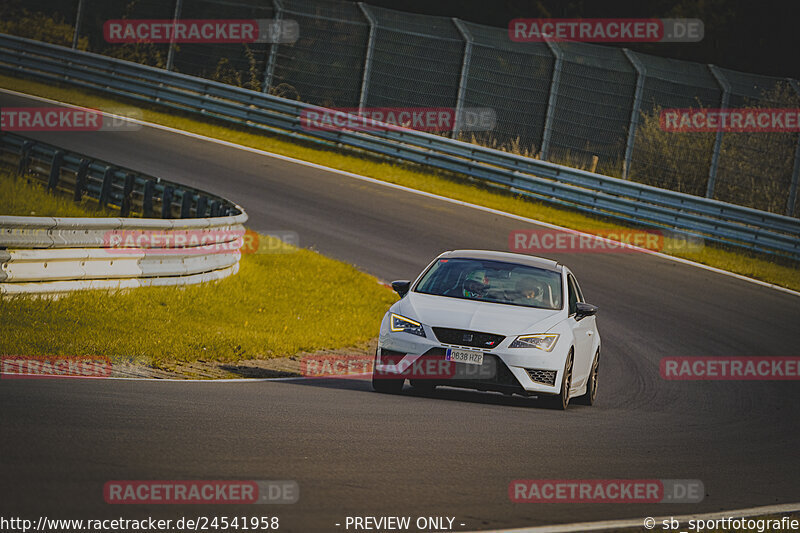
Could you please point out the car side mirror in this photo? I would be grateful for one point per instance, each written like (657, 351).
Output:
(583, 310)
(401, 287)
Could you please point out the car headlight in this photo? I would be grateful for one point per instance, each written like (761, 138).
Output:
(401, 323)
(542, 341)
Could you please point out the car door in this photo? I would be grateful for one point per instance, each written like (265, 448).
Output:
(583, 332)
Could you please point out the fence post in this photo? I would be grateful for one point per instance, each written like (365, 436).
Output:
(105, 188)
(462, 83)
(127, 193)
(362, 100)
(80, 180)
(726, 93)
(25, 157)
(55, 169)
(175, 17)
(269, 70)
(78, 17)
(166, 202)
(641, 73)
(147, 199)
(186, 203)
(792, 198)
(200, 209)
(551, 100)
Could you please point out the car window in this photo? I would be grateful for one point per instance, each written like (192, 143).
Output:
(578, 291)
(493, 281)
(572, 295)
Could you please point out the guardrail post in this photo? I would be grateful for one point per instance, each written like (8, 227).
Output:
(78, 17)
(166, 202)
(462, 83)
(186, 203)
(105, 188)
(127, 192)
(637, 104)
(362, 100)
(555, 80)
(55, 169)
(80, 180)
(726, 91)
(792, 198)
(202, 204)
(25, 157)
(175, 17)
(147, 199)
(272, 58)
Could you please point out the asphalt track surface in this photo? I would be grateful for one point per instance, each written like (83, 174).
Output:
(355, 452)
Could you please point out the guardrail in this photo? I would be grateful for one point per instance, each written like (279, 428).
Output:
(46, 255)
(585, 191)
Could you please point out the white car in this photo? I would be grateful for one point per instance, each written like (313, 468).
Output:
(491, 321)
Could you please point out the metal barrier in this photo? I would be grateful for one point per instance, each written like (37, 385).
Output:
(45, 255)
(585, 191)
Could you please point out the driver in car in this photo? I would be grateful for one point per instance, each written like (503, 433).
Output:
(531, 292)
(475, 284)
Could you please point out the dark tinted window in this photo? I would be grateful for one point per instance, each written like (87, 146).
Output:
(493, 281)
(573, 296)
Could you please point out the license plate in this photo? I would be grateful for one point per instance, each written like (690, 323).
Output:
(464, 356)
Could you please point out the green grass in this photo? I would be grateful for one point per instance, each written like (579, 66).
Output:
(772, 270)
(24, 197)
(277, 305)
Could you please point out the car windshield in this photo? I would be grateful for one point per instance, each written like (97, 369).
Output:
(493, 281)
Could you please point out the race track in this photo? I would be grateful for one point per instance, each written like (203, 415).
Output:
(355, 452)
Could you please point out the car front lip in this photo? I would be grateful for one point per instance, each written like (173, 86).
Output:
(517, 360)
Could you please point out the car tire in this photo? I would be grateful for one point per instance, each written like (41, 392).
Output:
(590, 397)
(560, 401)
(384, 385)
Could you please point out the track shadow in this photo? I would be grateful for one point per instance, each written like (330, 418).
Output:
(258, 373)
(442, 393)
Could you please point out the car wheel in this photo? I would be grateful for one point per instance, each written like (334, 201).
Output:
(385, 385)
(560, 401)
(591, 385)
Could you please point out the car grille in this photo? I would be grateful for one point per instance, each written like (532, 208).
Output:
(462, 337)
(547, 377)
(503, 380)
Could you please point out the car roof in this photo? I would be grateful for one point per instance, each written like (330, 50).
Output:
(509, 257)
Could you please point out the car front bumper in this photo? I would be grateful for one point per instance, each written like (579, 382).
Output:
(509, 370)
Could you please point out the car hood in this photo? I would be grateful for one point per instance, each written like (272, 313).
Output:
(501, 319)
